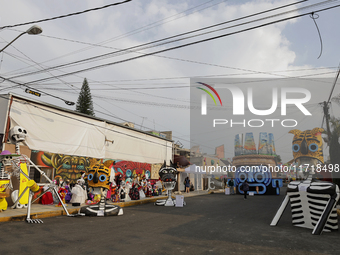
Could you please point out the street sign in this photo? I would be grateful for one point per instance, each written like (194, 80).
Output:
(32, 92)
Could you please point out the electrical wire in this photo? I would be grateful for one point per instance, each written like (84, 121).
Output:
(133, 48)
(65, 16)
(157, 87)
(180, 46)
(121, 36)
(160, 22)
(314, 16)
(18, 84)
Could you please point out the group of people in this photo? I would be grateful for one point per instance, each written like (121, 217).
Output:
(142, 188)
(120, 191)
(75, 194)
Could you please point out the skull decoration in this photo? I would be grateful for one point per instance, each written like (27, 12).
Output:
(17, 134)
(99, 178)
(6, 160)
(308, 146)
(168, 175)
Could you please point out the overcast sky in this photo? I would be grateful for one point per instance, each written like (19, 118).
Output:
(153, 91)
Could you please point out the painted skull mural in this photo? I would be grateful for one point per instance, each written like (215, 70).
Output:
(66, 167)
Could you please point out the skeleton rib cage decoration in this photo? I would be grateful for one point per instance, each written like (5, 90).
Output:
(313, 202)
(312, 205)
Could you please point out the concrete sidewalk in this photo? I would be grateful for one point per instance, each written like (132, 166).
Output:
(39, 211)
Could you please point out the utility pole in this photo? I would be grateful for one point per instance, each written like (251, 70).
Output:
(141, 126)
(326, 114)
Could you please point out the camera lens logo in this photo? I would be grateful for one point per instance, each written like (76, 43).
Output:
(204, 97)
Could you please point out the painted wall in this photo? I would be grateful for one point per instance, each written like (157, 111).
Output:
(69, 167)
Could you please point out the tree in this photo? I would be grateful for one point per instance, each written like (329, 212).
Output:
(84, 102)
(278, 159)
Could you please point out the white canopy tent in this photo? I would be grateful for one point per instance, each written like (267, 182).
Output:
(214, 178)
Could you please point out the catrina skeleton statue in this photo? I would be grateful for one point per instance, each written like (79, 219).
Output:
(313, 202)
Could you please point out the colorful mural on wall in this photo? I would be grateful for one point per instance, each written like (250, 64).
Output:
(130, 169)
(271, 144)
(249, 144)
(238, 144)
(66, 167)
(70, 167)
(266, 145)
(263, 143)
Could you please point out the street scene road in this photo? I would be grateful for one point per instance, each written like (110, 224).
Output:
(208, 224)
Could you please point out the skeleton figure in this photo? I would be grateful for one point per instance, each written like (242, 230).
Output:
(312, 201)
(99, 180)
(28, 187)
(5, 178)
(168, 175)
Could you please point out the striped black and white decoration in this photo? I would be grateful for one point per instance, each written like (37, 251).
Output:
(313, 205)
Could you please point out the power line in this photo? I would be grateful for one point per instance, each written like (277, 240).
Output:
(157, 87)
(65, 16)
(149, 26)
(130, 49)
(205, 76)
(181, 46)
(18, 84)
(121, 36)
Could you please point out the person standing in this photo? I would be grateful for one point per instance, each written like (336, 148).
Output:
(245, 188)
(187, 184)
(231, 186)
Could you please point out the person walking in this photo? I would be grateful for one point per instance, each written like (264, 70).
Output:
(187, 184)
(231, 186)
(245, 188)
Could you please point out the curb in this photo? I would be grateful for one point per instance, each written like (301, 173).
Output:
(39, 215)
(139, 202)
(216, 191)
(55, 213)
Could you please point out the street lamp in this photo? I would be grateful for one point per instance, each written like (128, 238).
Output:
(34, 30)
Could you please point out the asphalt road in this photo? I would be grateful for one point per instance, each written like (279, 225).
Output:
(209, 224)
